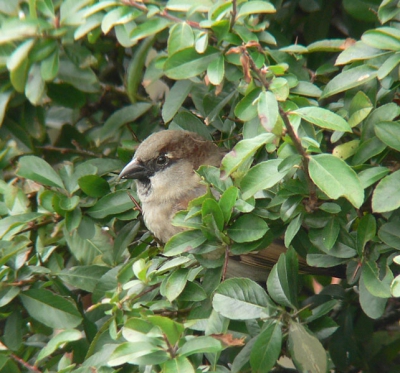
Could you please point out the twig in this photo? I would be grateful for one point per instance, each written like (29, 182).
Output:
(33, 226)
(132, 132)
(226, 260)
(25, 364)
(71, 151)
(163, 14)
(233, 14)
(170, 349)
(136, 203)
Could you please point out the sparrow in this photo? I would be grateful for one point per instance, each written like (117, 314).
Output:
(164, 168)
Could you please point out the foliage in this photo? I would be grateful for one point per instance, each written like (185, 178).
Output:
(306, 94)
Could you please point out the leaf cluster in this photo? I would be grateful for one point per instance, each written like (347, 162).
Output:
(305, 95)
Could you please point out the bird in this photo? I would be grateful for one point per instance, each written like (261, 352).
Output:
(164, 168)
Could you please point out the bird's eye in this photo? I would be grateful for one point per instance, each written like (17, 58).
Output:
(161, 160)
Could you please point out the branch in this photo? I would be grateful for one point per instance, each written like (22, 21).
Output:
(163, 14)
(233, 14)
(292, 134)
(71, 151)
(25, 364)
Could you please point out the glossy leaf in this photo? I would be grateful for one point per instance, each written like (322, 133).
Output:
(389, 133)
(113, 203)
(386, 196)
(323, 118)
(267, 347)
(50, 309)
(349, 79)
(306, 350)
(247, 228)
(188, 63)
(262, 176)
(175, 98)
(36, 169)
(335, 178)
(242, 152)
(184, 242)
(282, 281)
(241, 299)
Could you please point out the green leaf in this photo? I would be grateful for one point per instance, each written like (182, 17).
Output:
(216, 70)
(174, 284)
(282, 281)
(368, 149)
(138, 353)
(360, 107)
(255, 7)
(8, 294)
(336, 179)
(247, 228)
(242, 151)
(172, 329)
(49, 66)
(59, 339)
(389, 233)
(323, 118)
(349, 79)
(346, 150)
(372, 175)
(175, 98)
(113, 203)
(123, 116)
(50, 309)
(331, 232)
(292, 229)
(370, 274)
(200, 344)
(94, 186)
(262, 176)
(227, 202)
(84, 79)
(211, 206)
(245, 110)
(267, 348)
(184, 242)
(68, 203)
(386, 196)
(280, 88)
(187, 121)
(366, 231)
(388, 66)
(37, 169)
(241, 299)
(124, 238)
(187, 63)
(395, 287)
(4, 99)
(91, 23)
(83, 277)
(357, 52)
(306, 350)
(268, 111)
(383, 38)
(374, 307)
(389, 133)
(178, 364)
(149, 27)
(118, 16)
(181, 36)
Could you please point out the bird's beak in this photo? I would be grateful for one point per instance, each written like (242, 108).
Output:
(134, 170)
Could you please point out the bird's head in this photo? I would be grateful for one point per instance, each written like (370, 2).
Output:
(164, 164)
